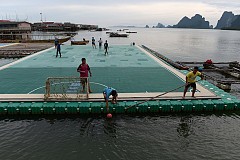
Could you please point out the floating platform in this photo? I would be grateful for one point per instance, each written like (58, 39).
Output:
(137, 75)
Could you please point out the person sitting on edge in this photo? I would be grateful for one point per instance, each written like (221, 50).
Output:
(106, 94)
(191, 81)
(84, 68)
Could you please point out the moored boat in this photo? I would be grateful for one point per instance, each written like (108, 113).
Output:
(79, 42)
(114, 34)
(131, 32)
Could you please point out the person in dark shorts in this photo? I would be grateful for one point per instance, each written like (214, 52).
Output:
(191, 81)
(58, 50)
(106, 47)
(100, 43)
(84, 68)
(107, 92)
(93, 43)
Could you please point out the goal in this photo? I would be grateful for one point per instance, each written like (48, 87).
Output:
(66, 88)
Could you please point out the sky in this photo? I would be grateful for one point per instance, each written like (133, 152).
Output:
(116, 12)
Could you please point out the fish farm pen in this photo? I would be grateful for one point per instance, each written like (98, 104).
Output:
(136, 72)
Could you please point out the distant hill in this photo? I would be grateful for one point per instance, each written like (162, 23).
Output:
(229, 21)
(226, 20)
(197, 22)
(236, 23)
(159, 25)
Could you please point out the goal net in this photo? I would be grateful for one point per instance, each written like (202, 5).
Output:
(66, 88)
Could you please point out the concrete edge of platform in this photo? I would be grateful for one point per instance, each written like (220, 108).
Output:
(99, 97)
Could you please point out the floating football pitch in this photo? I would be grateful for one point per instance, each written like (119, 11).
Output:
(129, 69)
(136, 74)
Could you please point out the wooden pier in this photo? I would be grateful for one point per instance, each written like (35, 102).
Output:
(22, 49)
(230, 69)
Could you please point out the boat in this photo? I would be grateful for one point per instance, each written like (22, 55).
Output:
(235, 65)
(79, 42)
(114, 34)
(131, 32)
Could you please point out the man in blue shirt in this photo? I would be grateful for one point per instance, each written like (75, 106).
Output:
(106, 94)
(58, 50)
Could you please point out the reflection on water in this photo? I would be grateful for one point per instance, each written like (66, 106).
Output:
(184, 128)
(110, 128)
(197, 136)
(90, 127)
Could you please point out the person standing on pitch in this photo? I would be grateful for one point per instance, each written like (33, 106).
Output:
(58, 50)
(100, 43)
(106, 47)
(84, 68)
(106, 94)
(191, 81)
(93, 43)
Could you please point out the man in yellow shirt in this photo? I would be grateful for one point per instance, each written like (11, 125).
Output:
(191, 81)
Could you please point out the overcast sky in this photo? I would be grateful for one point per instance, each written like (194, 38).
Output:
(116, 12)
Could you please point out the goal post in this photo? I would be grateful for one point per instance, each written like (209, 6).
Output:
(66, 88)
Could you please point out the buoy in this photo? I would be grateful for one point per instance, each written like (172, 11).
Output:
(109, 115)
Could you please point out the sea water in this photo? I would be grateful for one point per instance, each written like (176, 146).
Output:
(3, 44)
(182, 136)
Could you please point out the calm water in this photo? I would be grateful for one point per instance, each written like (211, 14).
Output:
(124, 137)
(3, 44)
(202, 136)
(181, 44)
(6, 61)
